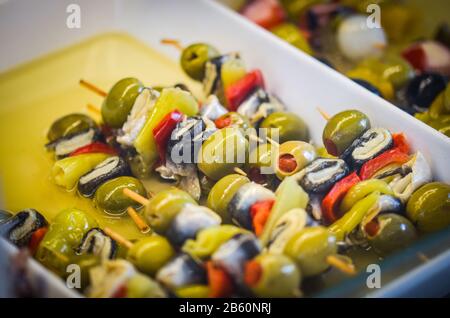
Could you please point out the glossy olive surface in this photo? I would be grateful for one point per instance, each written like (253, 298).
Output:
(110, 198)
(429, 207)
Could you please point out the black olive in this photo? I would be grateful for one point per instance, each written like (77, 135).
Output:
(372, 143)
(187, 138)
(315, 181)
(443, 34)
(65, 145)
(97, 243)
(108, 169)
(242, 201)
(423, 89)
(212, 80)
(19, 228)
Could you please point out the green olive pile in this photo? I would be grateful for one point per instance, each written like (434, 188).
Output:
(395, 60)
(255, 207)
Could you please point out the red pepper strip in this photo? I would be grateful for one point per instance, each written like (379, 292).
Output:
(237, 92)
(36, 239)
(266, 13)
(334, 197)
(223, 122)
(219, 281)
(95, 147)
(394, 155)
(260, 212)
(401, 142)
(252, 273)
(416, 56)
(163, 130)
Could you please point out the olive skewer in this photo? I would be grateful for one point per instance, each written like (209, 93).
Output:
(148, 254)
(139, 221)
(93, 88)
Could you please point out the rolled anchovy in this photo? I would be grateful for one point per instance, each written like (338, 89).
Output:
(19, 228)
(181, 271)
(109, 277)
(137, 117)
(287, 225)
(110, 168)
(189, 221)
(212, 109)
(187, 138)
(402, 171)
(97, 243)
(233, 254)
(404, 186)
(212, 81)
(65, 145)
(322, 174)
(372, 143)
(314, 208)
(242, 201)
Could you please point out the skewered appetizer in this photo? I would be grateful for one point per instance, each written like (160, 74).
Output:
(254, 206)
(383, 56)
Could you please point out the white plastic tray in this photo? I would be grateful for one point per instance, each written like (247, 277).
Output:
(29, 29)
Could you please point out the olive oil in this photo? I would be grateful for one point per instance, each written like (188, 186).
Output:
(35, 94)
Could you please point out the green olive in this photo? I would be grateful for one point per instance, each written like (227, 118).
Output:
(222, 152)
(151, 253)
(391, 67)
(69, 125)
(232, 119)
(342, 129)
(437, 107)
(194, 57)
(323, 153)
(57, 248)
(291, 34)
(142, 286)
(119, 101)
(261, 164)
(429, 207)
(278, 276)
(222, 193)
(262, 156)
(390, 233)
(164, 206)
(309, 248)
(293, 156)
(110, 198)
(288, 125)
